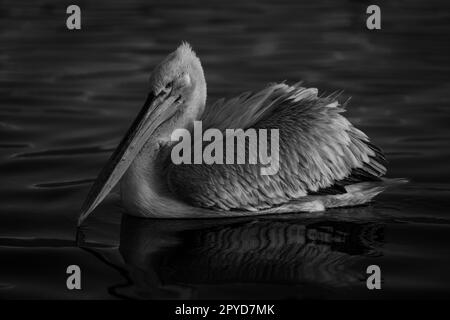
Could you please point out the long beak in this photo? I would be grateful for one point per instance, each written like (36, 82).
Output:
(152, 114)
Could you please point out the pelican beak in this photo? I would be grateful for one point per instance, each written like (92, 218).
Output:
(155, 111)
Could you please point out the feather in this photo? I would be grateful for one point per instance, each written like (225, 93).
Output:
(320, 152)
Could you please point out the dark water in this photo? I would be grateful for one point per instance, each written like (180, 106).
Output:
(67, 97)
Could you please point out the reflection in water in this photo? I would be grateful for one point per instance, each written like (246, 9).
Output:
(192, 258)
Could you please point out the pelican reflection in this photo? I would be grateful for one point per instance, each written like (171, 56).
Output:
(245, 258)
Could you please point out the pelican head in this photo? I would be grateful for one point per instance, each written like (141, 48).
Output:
(177, 97)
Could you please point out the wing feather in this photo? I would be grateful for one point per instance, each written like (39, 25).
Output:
(320, 152)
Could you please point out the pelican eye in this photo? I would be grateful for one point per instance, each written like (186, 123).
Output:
(185, 80)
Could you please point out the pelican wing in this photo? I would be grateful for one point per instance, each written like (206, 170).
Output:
(320, 152)
(245, 110)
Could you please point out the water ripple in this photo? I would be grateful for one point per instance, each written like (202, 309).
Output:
(63, 184)
(64, 152)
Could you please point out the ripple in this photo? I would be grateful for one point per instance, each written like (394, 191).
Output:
(63, 184)
(64, 152)
(22, 242)
(14, 145)
(8, 127)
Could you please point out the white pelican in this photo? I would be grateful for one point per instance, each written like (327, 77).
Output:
(324, 160)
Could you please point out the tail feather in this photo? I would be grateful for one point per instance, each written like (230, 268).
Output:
(357, 194)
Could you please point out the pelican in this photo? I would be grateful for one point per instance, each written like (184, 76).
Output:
(324, 161)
